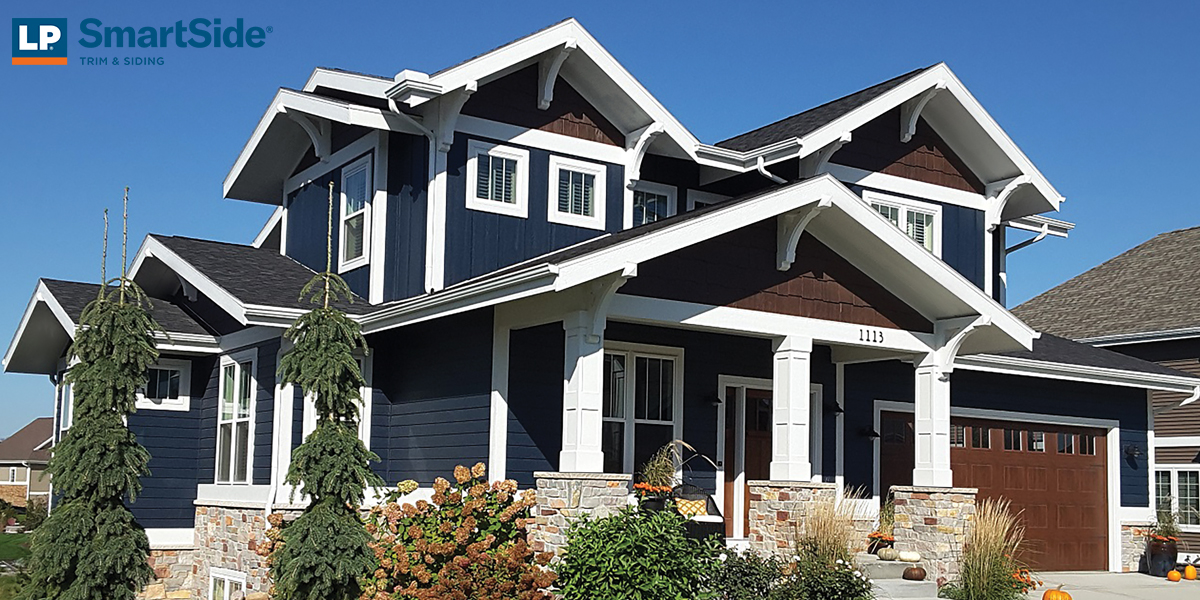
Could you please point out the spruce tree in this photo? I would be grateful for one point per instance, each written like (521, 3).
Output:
(324, 553)
(90, 547)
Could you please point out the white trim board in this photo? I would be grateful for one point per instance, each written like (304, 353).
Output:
(1035, 368)
(182, 538)
(1187, 441)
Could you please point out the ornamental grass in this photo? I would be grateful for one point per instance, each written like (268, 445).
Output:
(989, 567)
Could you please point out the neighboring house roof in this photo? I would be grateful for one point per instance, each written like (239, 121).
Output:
(1152, 288)
(74, 296)
(804, 123)
(1051, 348)
(27, 445)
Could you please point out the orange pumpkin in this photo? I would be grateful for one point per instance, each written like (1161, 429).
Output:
(1056, 594)
(1189, 573)
(1174, 575)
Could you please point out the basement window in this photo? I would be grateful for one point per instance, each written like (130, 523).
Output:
(577, 193)
(498, 179)
(355, 215)
(921, 221)
(225, 584)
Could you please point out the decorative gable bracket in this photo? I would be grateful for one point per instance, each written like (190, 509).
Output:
(318, 131)
(813, 164)
(636, 145)
(449, 107)
(599, 298)
(548, 70)
(998, 194)
(951, 333)
(910, 111)
(791, 226)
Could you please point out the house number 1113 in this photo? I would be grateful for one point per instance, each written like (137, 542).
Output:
(871, 336)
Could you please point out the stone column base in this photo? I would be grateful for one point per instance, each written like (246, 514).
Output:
(934, 521)
(1133, 546)
(563, 497)
(777, 511)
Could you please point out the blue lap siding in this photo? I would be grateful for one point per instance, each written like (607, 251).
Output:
(264, 415)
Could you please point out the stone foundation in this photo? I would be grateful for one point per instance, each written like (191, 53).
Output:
(174, 575)
(934, 522)
(227, 537)
(563, 497)
(1133, 546)
(777, 511)
(13, 494)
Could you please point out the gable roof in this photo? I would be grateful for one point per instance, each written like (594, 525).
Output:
(27, 444)
(74, 296)
(1147, 291)
(804, 123)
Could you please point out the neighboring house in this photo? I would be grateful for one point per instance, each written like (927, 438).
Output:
(554, 275)
(23, 458)
(1145, 303)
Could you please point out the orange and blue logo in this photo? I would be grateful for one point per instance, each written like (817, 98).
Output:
(39, 41)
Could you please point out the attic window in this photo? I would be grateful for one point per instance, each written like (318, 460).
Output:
(652, 202)
(355, 214)
(498, 179)
(921, 221)
(577, 193)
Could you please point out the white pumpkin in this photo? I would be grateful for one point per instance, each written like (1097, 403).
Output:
(910, 556)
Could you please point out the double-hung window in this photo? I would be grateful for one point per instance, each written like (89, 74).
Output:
(166, 386)
(921, 221)
(355, 229)
(652, 202)
(235, 419)
(643, 408)
(1178, 491)
(67, 416)
(577, 193)
(497, 179)
(225, 584)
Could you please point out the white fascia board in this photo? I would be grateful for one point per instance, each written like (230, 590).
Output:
(357, 83)
(908, 187)
(1140, 337)
(186, 343)
(1039, 223)
(265, 232)
(41, 294)
(1050, 370)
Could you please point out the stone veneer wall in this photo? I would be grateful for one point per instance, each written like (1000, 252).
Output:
(935, 522)
(13, 494)
(227, 537)
(174, 575)
(778, 508)
(1133, 546)
(562, 497)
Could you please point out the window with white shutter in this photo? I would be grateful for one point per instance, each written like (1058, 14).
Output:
(577, 193)
(919, 220)
(498, 179)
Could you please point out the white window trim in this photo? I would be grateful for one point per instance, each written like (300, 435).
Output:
(67, 418)
(250, 356)
(631, 351)
(181, 404)
(600, 171)
(650, 187)
(905, 205)
(1174, 471)
(12, 475)
(229, 576)
(309, 419)
(345, 264)
(521, 193)
(697, 198)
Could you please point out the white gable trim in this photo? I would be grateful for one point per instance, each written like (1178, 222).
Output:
(268, 227)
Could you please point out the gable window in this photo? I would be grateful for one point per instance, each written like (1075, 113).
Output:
(652, 202)
(1178, 490)
(166, 386)
(235, 417)
(642, 407)
(577, 193)
(498, 179)
(355, 214)
(921, 221)
(225, 584)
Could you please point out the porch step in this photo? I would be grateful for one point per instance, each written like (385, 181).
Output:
(883, 570)
(899, 588)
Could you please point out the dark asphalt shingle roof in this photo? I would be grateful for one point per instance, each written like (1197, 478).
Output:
(1053, 349)
(20, 446)
(1153, 287)
(802, 124)
(253, 275)
(74, 296)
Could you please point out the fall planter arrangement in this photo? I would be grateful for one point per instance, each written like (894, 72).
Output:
(878, 540)
(1162, 550)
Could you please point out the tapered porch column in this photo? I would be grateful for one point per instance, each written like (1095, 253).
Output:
(931, 424)
(583, 388)
(790, 460)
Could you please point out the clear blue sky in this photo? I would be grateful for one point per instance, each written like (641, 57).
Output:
(1100, 95)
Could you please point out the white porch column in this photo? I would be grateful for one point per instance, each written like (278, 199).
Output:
(583, 389)
(931, 424)
(790, 459)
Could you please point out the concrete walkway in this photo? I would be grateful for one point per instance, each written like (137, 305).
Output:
(1118, 586)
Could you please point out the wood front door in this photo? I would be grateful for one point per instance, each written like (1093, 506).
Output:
(748, 456)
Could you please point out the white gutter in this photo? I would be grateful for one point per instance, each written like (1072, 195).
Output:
(761, 167)
(1052, 370)
(1140, 337)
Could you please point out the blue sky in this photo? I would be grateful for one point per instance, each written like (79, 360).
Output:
(1100, 95)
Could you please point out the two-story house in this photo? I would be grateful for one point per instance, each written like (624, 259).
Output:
(557, 277)
(23, 458)
(1145, 303)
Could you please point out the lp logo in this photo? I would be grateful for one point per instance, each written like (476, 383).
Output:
(39, 41)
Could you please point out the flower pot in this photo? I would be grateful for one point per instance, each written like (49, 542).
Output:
(654, 503)
(1161, 557)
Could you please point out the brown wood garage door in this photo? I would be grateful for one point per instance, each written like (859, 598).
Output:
(1055, 476)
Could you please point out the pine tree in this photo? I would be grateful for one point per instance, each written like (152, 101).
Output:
(90, 547)
(324, 553)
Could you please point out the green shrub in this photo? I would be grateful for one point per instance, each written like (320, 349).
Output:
(640, 555)
(807, 579)
(35, 513)
(746, 576)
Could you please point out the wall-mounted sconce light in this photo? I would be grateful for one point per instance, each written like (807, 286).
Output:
(834, 408)
(869, 433)
(1133, 451)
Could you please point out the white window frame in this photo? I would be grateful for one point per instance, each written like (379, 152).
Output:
(345, 264)
(12, 475)
(600, 171)
(184, 402)
(906, 205)
(697, 198)
(520, 194)
(632, 352)
(309, 419)
(67, 418)
(662, 189)
(1174, 471)
(250, 356)
(229, 576)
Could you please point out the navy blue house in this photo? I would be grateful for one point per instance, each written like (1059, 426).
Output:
(554, 275)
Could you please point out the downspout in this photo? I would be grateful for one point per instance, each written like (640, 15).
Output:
(761, 167)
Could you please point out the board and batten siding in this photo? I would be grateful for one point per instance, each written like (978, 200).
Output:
(432, 385)
(308, 227)
(479, 242)
(264, 411)
(404, 257)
